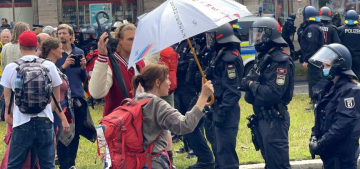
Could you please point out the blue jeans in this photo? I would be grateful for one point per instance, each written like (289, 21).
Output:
(38, 134)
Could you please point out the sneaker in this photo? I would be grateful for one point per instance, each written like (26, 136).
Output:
(180, 150)
(72, 167)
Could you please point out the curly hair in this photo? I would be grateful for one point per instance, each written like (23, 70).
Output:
(48, 45)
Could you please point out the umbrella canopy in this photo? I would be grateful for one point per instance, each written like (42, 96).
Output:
(176, 20)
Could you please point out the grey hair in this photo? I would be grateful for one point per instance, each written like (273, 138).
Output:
(5, 30)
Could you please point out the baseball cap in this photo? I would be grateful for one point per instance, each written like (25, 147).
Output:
(48, 29)
(28, 38)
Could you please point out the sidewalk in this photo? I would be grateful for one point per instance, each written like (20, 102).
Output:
(305, 164)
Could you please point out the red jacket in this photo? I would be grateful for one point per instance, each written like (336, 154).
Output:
(115, 97)
(169, 58)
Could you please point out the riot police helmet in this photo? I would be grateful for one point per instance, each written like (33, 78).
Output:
(292, 17)
(265, 30)
(222, 35)
(325, 14)
(310, 14)
(225, 34)
(89, 33)
(334, 58)
(351, 17)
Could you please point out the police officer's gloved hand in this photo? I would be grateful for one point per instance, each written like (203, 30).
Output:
(315, 146)
(245, 83)
(219, 120)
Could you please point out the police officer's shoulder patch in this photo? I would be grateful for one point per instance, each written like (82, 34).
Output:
(280, 80)
(231, 71)
(281, 71)
(309, 35)
(349, 102)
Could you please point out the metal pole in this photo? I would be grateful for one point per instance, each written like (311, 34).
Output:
(77, 13)
(61, 12)
(123, 8)
(13, 8)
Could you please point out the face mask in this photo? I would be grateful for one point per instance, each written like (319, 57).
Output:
(326, 72)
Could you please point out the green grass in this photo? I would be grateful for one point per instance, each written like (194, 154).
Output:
(300, 71)
(301, 122)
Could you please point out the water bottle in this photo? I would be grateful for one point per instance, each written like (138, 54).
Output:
(18, 83)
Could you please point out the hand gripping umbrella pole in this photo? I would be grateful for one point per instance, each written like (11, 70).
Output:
(212, 98)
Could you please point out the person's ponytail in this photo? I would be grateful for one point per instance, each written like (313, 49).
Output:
(135, 82)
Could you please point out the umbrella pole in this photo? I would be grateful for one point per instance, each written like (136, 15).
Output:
(201, 71)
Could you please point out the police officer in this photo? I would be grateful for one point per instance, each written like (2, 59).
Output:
(335, 135)
(288, 31)
(269, 87)
(226, 69)
(350, 36)
(89, 40)
(330, 31)
(196, 139)
(312, 39)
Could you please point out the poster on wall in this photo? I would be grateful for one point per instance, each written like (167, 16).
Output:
(95, 8)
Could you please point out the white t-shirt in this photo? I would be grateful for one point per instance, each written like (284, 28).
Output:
(8, 81)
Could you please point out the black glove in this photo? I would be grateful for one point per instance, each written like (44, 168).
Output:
(315, 147)
(244, 86)
(219, 120)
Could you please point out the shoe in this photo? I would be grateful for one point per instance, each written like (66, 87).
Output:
(175, 138)
(173, 167)
(72, 167)
(201, 165)
(191, 154)
(181, 150)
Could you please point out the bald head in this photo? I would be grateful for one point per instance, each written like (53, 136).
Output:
(41, 38)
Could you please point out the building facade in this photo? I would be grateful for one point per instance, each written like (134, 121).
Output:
(81, 12)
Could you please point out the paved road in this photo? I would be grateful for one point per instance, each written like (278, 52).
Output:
(301, 87)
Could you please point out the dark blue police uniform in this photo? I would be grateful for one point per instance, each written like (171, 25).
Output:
(269, 96)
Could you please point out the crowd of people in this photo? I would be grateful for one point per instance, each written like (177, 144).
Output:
(45, 77)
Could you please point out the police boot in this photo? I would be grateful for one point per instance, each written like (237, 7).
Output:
(202, 165)
(181, 150)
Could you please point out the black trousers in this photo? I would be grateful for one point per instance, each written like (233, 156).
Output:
(314, 76)
(273, 140)
(67, 154)
(288, 41)
(223, 140)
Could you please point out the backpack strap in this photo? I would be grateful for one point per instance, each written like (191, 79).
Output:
(150, 149)
(56, 103)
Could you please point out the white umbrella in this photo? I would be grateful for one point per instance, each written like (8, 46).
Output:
(176, 20)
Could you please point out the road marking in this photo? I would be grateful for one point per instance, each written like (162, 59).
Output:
(301, 86)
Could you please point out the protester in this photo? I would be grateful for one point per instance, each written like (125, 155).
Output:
(5, 37)
(35, 130)
(103, 82)
(37, 29)
(160, 115)
(4, 24)
(41, 38)
(77, 76)
(11, 51)
(336, 20)
(49, 30)
(51, 49)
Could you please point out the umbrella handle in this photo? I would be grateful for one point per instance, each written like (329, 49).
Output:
(212, 98)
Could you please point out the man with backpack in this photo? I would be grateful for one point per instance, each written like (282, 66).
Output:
(34, 85)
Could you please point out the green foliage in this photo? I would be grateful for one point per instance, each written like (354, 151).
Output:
(300, 128)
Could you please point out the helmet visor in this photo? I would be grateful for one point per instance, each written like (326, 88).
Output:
(324, 56)
(259, 35)
(210, 40)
